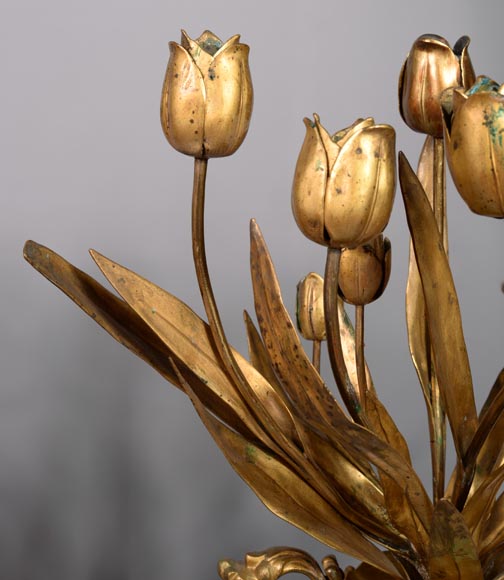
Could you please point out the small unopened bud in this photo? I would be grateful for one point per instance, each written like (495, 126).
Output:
(364, 271)
(310, 307)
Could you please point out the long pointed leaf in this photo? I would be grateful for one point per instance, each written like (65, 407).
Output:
(445, 326)
(452, 551)
(288, 496)
(189, 338)
(488, 441)
(415, 305)
(124, 324)
(492, 533)
(259, 356)
(302, 382)
(478, 507)
(361, 500)
(111, 313)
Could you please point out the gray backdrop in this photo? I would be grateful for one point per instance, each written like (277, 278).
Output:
(105, 470)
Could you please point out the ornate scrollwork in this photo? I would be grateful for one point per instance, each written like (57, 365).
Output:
(276, 562)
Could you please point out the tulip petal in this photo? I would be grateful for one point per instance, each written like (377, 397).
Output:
(343, 136)
(431, 67)
(330, 143)
(201, 57)
(308, 188)
(467, 74)
(360, 190)
(229, 98)
(232, 41)
(183, 103)
(476, 152)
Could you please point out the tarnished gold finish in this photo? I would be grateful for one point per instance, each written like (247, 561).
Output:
(443, 313)
(274, 563)
(430, 68)
(363, 275)
(344, 476)
(474, 135)
(310, 313)
(344, 184)
(418, 335)
(365, 271)
(310, 307)
(206, 103)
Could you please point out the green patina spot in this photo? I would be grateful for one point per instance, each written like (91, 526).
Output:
(250, 453)
(153, 310)
(495, 124)
(319, 166)
(211, 45)
(339, 135)
(348, 324)
(211, 74)
(484, 85)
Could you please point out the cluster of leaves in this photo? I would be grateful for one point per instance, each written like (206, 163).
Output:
(349, 486)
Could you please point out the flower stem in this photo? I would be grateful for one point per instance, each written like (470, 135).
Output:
(200, 262)
(438, 445)
(360, 361)
(269, 432)
(334, 346)
(316, 355)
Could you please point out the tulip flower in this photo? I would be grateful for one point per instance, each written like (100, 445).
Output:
(207, 96)
(474, 136)
(344, 184)
(310, 307)
(364, 272)
(430, 68)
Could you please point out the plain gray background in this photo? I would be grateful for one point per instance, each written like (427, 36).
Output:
(105, 470)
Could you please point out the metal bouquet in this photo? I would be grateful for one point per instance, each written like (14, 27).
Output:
(343, 476)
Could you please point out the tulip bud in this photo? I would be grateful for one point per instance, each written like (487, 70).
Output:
(430, 68)
(365, 271)
(310, 307)
(474, 137)
(344, 185)
(206, 103)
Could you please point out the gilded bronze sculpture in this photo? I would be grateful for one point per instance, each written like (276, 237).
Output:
(343, 476)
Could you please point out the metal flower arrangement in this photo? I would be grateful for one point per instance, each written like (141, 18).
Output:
(343, 476)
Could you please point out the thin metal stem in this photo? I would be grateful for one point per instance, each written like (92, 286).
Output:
(200, 262)
(360, 361)
(276, 440)
(439, 193)
(316, 355)
(334, 346)
(438, 445)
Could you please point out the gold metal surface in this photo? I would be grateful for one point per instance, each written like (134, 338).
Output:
(310, 307)
(430, 68)
(474, 135)
(365, 271)
(207, 96)
(340, 472)
(344, 184)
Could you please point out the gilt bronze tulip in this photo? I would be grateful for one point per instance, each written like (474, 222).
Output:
(430, 68)
(310, 307)
(206, 103)
(474, 136)
(365, 271)
(344, 184)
